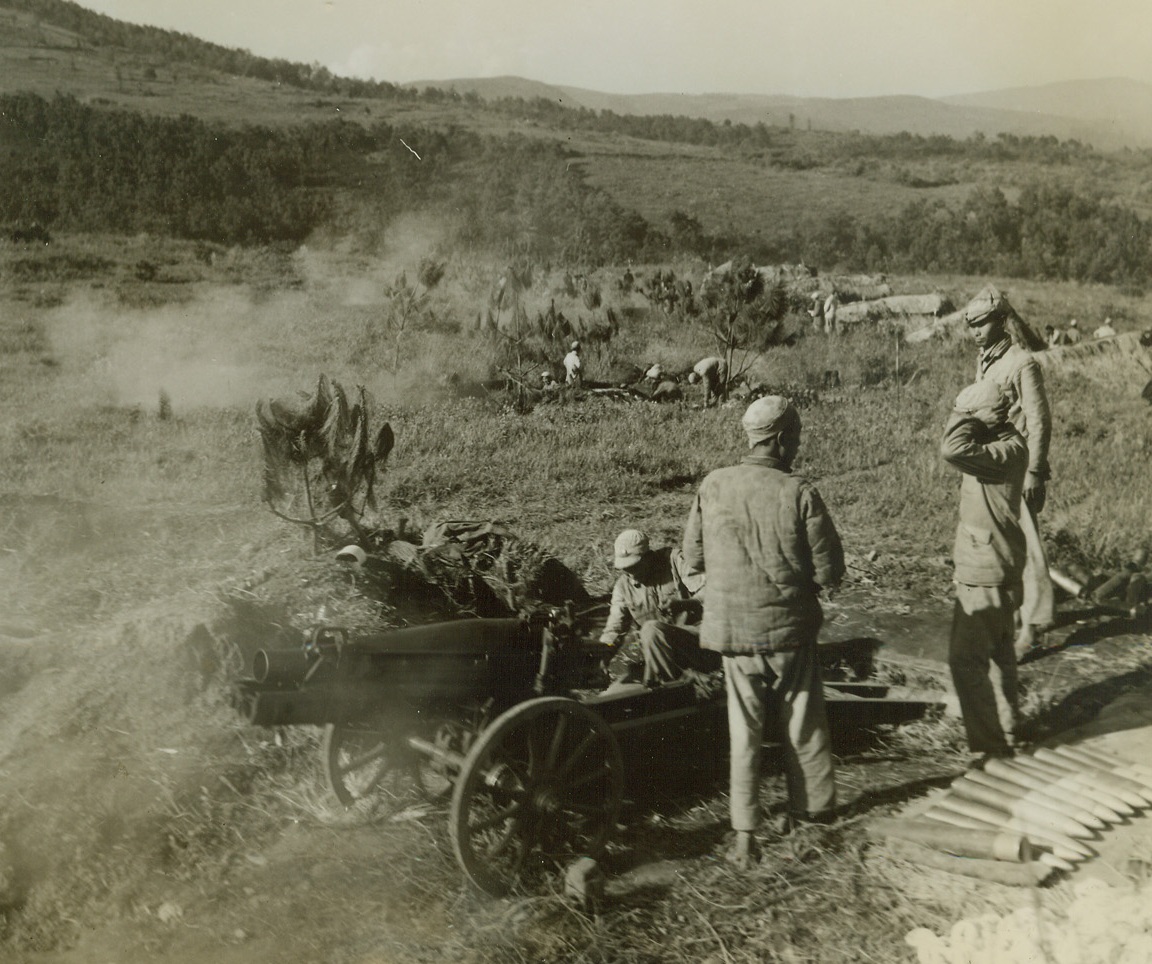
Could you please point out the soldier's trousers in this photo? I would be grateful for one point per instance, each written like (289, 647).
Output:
(660, 653)
(983, 663)
(778, 695)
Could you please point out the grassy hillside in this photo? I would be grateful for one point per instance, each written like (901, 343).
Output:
(141, 819)
(137, 557)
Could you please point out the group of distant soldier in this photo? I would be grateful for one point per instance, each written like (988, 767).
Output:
(823, 312)
(710, 373)
(1056, 337)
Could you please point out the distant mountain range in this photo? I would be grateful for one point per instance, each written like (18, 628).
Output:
(1109, 113)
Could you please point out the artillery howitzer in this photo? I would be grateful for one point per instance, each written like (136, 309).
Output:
(507, 716)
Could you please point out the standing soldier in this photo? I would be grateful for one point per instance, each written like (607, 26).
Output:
(1005, 357)
(769, 548)
(817, 313)
(981, 442)
(572, 365)
(830, 307)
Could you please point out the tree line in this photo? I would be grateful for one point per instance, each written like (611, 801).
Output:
(71, 166)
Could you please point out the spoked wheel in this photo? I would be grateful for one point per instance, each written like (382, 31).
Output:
(360, 761)
(541, 786)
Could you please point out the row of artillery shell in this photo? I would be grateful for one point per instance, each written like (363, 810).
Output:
(1057, 798)
(1132, 777)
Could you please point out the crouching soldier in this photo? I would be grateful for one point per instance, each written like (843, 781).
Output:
(981, 442)
(712, 372)
(654, 615)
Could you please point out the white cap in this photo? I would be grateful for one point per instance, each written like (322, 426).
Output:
(353, 554)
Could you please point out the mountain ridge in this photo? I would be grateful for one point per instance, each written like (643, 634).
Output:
(1108, 113)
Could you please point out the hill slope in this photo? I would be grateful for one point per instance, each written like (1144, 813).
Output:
(1122, 105)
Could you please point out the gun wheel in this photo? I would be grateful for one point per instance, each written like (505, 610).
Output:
(359, 761)
(541, 786)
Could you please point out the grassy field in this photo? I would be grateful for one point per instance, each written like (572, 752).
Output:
(141, 820)
(131, 531)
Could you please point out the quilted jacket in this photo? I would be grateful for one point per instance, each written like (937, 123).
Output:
(768, 546)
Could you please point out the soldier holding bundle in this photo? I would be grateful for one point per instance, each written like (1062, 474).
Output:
(982, 443)
(1006, 346)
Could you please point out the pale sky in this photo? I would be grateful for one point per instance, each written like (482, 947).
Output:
(816, 48)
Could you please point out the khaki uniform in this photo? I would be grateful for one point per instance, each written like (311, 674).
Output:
(989, 554)
(1018, 374)
(713, 373)
(642, 621)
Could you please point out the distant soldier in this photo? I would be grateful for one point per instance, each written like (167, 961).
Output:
(712, 372)
(830, 307)
(573, 374)
(817, 313)
(1072, 336)
(1105, 330)
(1054, 337)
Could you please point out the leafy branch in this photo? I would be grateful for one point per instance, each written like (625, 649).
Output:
(321, 455)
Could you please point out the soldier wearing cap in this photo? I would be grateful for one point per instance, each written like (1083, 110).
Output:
(572, 365)
(713, 372)
(1005, 358)
(769, 548)
(989, 553)
(654, 615)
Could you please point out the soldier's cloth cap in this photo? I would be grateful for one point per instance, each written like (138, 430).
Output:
(988, 302)
(631, 546)
(768, 417)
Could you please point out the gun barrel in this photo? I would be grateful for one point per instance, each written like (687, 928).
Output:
(281, 666)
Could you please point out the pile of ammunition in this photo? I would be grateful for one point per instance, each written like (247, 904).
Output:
(1125, 593)
(1037, 810)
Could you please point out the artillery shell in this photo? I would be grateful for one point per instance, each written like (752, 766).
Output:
(1075, 589)
(1028, 768)
(1062, 845)
(1111, 587)
(989, 844)
(1060, 784)
(1141, 772)
(1066, 806)
(1100, 771)
(1019, 807)
(1055, 862)
(957, 819)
